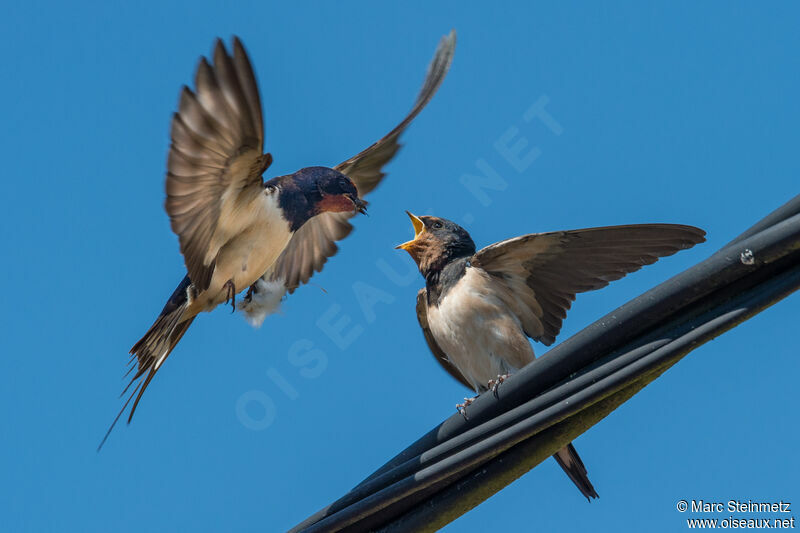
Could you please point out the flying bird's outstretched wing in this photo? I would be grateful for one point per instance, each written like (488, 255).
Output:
(214, 167)
(315, 242)
(436, 350)
(216, 158)
(538, 275)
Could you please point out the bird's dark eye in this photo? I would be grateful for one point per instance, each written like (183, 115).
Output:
(437, 225)
(342, 182)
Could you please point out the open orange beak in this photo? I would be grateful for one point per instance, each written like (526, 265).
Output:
(419, 227)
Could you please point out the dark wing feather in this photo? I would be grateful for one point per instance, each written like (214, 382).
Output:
(365, 169)
(538, 275)
(436, 350)
(315, 241)
(217, 144)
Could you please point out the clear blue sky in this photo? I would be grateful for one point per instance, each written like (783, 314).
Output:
(685, 114)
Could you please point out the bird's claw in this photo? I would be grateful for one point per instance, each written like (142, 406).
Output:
(248, 296)
(230, 296)
(495, 383)
(462, 407)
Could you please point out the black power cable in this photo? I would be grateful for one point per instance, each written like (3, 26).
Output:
(551, 401)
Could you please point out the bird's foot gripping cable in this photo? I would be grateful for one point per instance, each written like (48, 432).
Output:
(495, 383)
(462, 407)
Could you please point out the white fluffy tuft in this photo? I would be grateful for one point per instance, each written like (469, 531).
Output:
(265, 300)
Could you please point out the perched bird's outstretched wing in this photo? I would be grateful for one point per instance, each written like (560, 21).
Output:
(315, 241)
(436, 350)
(216, 158)
(538, 275)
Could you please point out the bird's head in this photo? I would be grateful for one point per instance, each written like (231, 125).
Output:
(436, 242)
(329, 191)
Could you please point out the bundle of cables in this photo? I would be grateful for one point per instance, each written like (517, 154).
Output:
(551, 401)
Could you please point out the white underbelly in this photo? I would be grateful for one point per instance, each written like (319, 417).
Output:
(250, 253)
(477, 332)
(247, 257)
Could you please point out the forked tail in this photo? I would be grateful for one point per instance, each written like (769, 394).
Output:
(568, 458)
(149, 353)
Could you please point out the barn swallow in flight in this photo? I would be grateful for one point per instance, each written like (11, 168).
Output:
(478, 310)
(237, 230)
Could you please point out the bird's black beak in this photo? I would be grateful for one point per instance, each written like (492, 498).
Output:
(360, 205)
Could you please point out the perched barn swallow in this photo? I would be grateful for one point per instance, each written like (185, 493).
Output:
(235, 228)
(478, 310)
